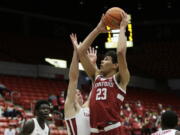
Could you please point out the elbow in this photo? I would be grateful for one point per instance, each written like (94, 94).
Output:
(121, 51)
(81, 54)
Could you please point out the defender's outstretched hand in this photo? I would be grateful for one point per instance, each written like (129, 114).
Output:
(74, 41)
(92, 54)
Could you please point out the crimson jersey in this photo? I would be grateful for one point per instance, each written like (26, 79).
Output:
(105, 101)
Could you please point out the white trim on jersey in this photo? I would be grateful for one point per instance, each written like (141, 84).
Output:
(107, 128)
(120, 97)
(97, 77)
(114, 78)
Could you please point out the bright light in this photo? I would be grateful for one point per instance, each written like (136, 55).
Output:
(115, 31)
(57, 62)
(81, 67)
(111, 44)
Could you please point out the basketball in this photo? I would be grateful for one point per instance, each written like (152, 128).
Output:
(112, 17)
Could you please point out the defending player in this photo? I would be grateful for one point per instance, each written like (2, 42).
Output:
(77, 113)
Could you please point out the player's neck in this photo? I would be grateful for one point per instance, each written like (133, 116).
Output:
(40, 120)
(110, 74)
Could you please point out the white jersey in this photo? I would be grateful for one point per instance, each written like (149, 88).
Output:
(79, 124)
(165, 132)
(38, 130)
(9, 132)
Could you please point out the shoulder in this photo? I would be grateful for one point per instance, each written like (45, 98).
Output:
(119, 82)
(28, 127)
(29, 123)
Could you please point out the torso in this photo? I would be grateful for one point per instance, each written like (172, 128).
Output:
(105, 101)
(79, 124)
(38, 130)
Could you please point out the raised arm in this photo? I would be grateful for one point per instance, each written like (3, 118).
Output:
(82, 49)
(73, 78)
(123, 73)
(92, 55)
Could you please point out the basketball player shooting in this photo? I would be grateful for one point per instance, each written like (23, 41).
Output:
(109, 82)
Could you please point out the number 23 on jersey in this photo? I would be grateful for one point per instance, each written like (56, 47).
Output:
(101, 94)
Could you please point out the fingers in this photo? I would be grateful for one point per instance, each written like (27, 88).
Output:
(102, 17)
(73, 38)
(88, 51)
(124, 14)
(74, 41)
(95, 51)
(92, 50)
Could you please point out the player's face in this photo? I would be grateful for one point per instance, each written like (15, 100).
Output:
(106, 65)
(44, 111)
(79, 97)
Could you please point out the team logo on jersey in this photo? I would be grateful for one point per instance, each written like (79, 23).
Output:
(120, 97)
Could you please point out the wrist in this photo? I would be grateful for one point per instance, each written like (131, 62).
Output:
(98, 30)
(123, 29)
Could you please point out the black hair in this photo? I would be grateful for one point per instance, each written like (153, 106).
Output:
(113, 55)
(169, 120)
(39, 103)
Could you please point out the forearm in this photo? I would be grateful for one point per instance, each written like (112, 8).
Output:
(121, 48)
(74, 71)
(73, 79)
(121, 56)
(71, 91)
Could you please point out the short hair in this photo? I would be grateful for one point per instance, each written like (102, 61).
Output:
(113, 55)
(39, 103)
(169, 119)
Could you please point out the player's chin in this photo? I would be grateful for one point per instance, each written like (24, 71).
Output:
(101, 70)
(45, 116)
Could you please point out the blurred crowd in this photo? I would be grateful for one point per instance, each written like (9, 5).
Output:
(136, 119)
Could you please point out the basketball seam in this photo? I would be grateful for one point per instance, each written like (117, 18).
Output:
(113, 17)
